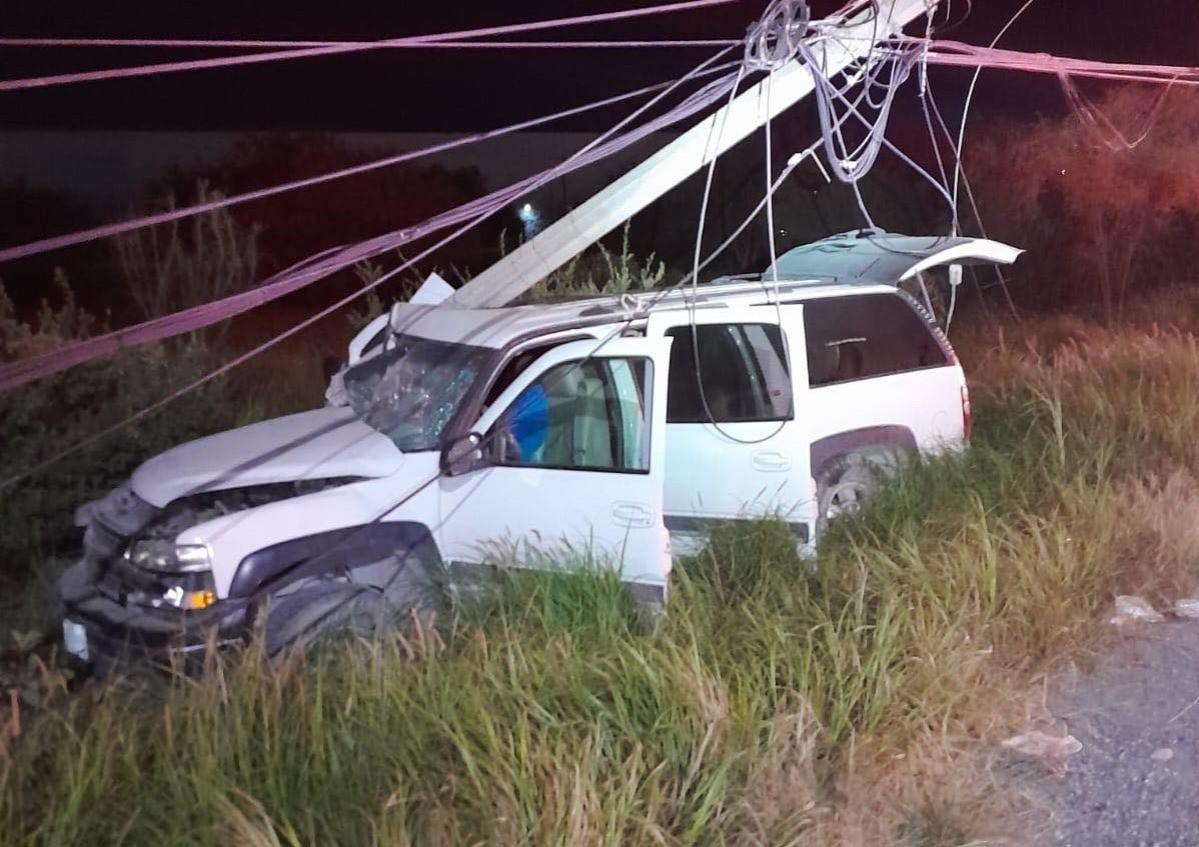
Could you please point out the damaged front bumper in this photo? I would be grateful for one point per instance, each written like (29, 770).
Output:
(115, 612)
(104, 625)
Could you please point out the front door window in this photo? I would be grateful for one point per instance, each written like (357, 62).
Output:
(583, 415)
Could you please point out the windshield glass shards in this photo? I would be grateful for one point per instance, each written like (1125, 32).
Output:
(411, 392)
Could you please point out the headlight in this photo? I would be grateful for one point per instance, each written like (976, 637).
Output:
(161, 554)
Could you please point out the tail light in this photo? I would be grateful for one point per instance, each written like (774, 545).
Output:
(966, 422)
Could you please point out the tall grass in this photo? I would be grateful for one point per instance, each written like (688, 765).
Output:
(775, 702)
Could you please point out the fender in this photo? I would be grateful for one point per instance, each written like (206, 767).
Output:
(854, 440)
(326, 552)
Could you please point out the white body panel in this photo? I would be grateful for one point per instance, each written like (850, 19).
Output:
(745, 469)
(409, 495)
(887, 257)
(609, 517)
(696, 471)
(469, 515)
(926, 402)
(319, 444)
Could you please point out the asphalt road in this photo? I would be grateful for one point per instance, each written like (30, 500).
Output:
(1135, 782)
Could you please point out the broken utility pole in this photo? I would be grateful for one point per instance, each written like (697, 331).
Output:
(534, 260)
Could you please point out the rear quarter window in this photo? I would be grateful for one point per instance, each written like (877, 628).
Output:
(872, 335)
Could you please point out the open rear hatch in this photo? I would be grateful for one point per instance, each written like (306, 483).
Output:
(872, 256)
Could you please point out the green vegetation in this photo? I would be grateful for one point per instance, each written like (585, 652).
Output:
(180, 265)
(162, 269)
(600, 271)
(1103, 225)
(41, 419)
(775, 702)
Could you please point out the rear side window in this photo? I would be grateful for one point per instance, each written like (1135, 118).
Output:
(873, 335)
(743, 371)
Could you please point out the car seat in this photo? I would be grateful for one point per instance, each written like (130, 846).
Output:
(592, 430)
(561, 392)
(851, 364)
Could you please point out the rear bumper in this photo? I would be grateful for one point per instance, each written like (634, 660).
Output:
(119, 631)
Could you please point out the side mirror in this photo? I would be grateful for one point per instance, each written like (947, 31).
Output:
(463, 455)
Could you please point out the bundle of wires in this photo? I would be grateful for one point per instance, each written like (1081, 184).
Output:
(323, 265)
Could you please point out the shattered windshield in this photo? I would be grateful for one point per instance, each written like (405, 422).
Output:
(409, 393)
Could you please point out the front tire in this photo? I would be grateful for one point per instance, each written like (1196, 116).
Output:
(324, 612)
(364, 603)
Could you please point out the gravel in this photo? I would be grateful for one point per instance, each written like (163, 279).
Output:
(1135, 783)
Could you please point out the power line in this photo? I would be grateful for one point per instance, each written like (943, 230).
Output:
(16, 373)
(246, 44)
(58, 242)
(228, 366)
(356, 47)
(481, 211)
(931, 101)
(469, 215)
(957, 54)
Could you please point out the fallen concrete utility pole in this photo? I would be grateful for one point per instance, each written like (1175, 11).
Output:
(552, 248)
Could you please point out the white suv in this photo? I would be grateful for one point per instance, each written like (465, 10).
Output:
(608, 430)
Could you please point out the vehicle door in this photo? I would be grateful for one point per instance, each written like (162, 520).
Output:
(571, 466)
(735, 447)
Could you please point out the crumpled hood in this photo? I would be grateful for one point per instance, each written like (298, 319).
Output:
(320, 444)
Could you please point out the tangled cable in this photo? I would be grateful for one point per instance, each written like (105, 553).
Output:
(775, 38)
(1101, 126)
(785, 32)
(620, 137)
(885, 73)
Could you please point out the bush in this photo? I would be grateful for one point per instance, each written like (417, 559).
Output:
(178, 265)
(600, 271)
(1101, 223)
(41, 419)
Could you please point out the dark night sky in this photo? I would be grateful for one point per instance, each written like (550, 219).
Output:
(452, 90)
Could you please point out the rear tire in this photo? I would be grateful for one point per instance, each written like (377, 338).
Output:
(842, 486)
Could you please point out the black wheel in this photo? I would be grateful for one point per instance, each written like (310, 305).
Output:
(323, 612)
(842, 486)
(367, 603)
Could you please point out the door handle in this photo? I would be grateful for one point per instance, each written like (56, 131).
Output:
(632, 514)
(768, 460)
